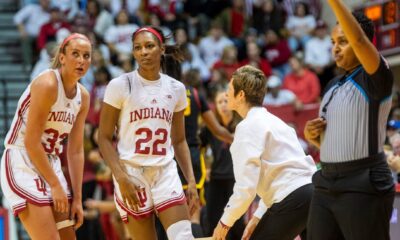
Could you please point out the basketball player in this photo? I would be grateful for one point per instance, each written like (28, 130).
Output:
(147, 108)
(268, 160)
(51, 110)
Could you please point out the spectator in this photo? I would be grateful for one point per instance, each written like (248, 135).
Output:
(277, 53)
(102, 77)
(393, 156)
(49, 30)
(133, 7)
(268, 16)
(254, 59)
(155, 20)
(181, 38)
(211, 46)
(166, 10)
(98, 61)
(276, 96)
(31, 17)
(314, 6)
(194, 63)
(69, 8)
(318, 57)
(29, 20)
(234, 21)
(46, 55)
(300, 26)
(302, 82)
(99, 19)
(118, 37)
(228, 62)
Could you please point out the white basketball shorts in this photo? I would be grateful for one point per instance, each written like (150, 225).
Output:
(161, 189)
(21, 182)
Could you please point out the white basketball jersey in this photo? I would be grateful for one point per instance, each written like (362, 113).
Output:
(59, 121)
(147, 108)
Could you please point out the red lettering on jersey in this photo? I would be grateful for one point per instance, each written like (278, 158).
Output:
(61, 117)
(52, 117)
(157, 114)
(146, 113)
(68, 118)
(136, 115)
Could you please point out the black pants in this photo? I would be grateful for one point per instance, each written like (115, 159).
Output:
(286, 219)
(218, 194)
(352, 205)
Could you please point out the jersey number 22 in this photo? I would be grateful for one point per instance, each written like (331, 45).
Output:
(161, 134)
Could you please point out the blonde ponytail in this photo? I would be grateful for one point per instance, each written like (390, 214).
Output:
(55, 63)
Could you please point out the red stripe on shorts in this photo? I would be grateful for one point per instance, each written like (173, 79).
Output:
(171, 202)
(24, 106)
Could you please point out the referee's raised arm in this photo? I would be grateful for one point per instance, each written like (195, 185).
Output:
(359, 40)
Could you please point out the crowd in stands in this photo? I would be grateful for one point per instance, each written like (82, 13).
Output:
(286, 39)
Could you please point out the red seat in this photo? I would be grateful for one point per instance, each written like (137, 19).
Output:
(310, 111)
(285, 112)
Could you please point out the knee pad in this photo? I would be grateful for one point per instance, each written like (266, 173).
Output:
(65, 223)
(181, 230)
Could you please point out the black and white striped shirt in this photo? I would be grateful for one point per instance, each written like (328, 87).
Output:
(356, 114)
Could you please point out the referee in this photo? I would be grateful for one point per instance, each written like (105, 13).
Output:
(354, 190)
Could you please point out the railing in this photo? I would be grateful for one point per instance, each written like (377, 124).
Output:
(4, 99)
(8, 94)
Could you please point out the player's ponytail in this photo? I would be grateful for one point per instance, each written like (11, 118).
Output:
(171, 61)
(56, 60)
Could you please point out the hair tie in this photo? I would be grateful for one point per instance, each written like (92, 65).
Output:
(151, 30)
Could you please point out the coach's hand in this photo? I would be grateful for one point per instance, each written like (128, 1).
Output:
(129, 192)
(192, 197)
(220, 231)
(250, 228)
(60, 200)
(313, 130)
(76, 213)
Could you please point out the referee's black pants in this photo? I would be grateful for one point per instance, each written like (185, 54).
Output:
(286, 219)
(352, 203)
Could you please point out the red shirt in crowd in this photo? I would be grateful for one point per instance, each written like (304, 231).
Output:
(228, 68)
(48, 32)
(237, 24)
(277, 54)
(262, 64)
(305, 87)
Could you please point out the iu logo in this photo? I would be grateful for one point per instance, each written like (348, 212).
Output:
(154, 101)
(142, 197)
(169, 96)
(41, 185)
